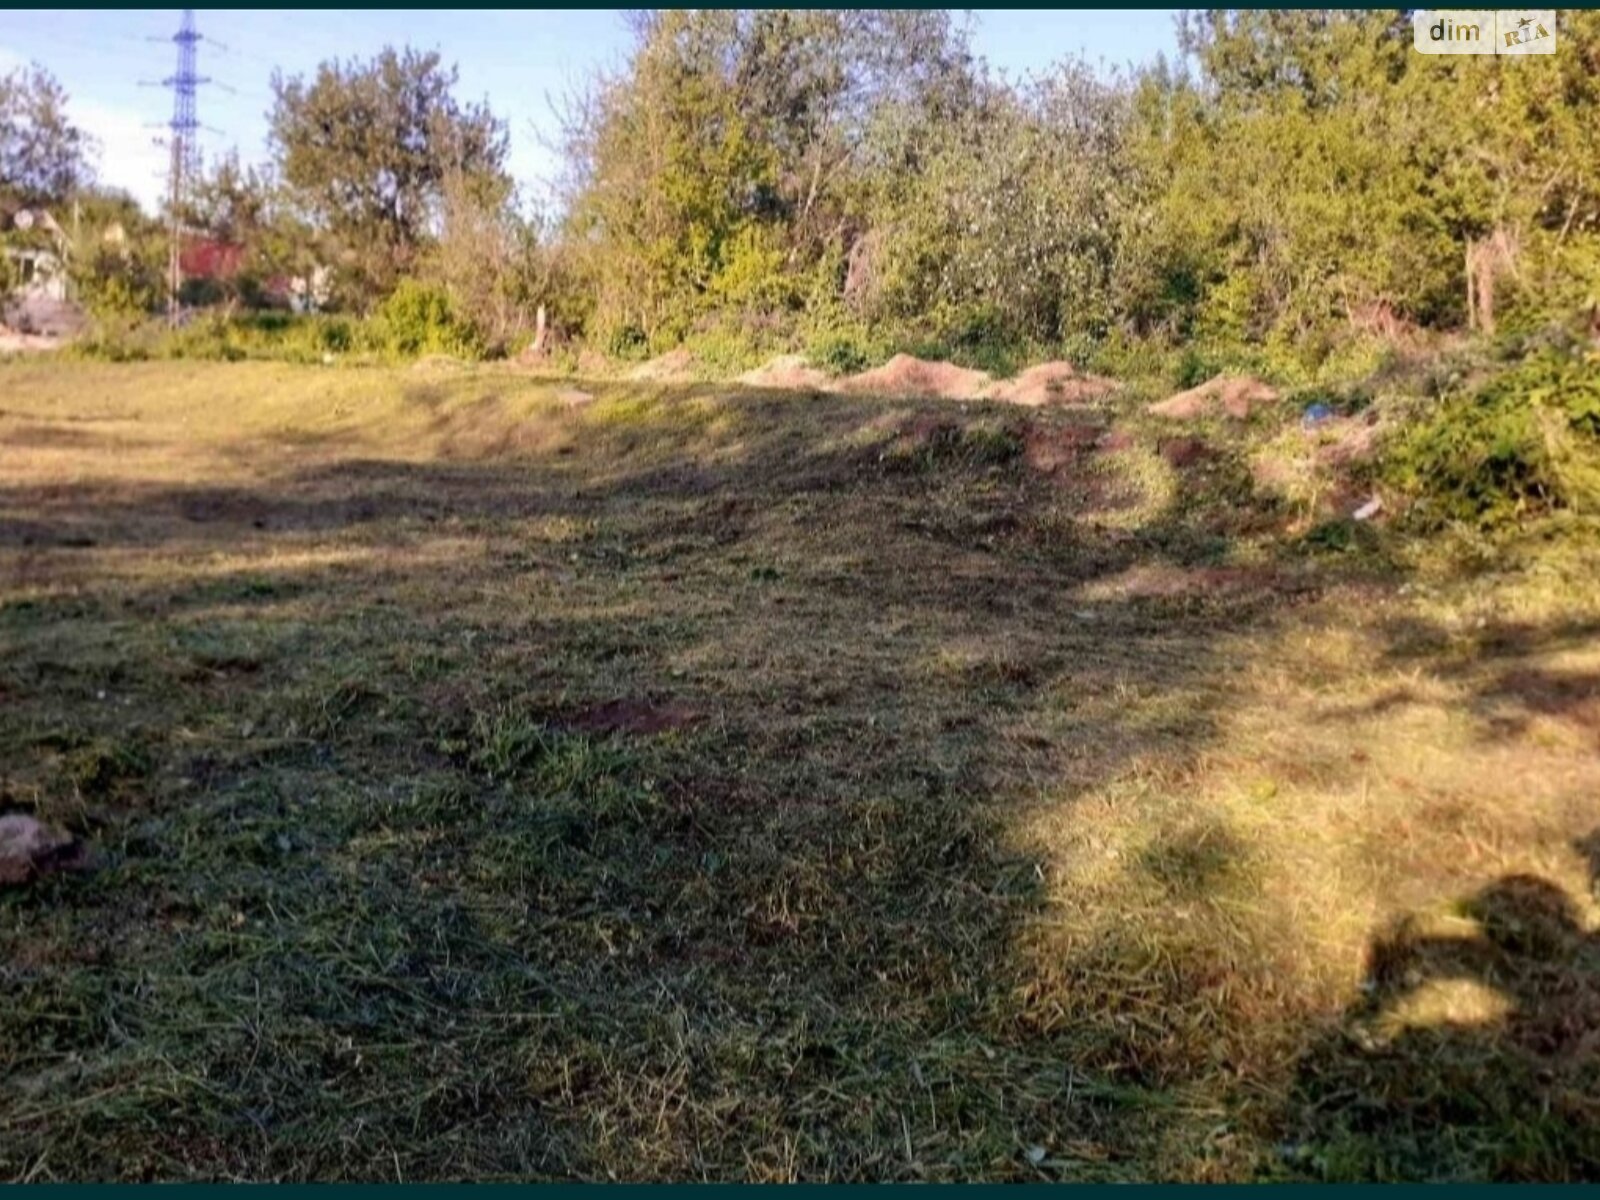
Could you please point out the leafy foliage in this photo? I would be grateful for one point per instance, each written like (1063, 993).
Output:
(420, 319)
(117, 262)
(43, 155)
(367, 147)
(493, 261)
(731, 158)
(1526, 442)
(1315, 181)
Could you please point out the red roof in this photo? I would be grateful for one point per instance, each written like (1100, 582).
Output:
(210, 259)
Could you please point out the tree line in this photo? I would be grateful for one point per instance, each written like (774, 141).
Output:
(847, 182)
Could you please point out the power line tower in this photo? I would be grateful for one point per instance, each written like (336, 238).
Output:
(184, 148)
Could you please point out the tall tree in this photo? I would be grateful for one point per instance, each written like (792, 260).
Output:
(43, 155)
(730, 159)
(367, 147)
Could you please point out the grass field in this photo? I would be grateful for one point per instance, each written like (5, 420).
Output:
(706, 784)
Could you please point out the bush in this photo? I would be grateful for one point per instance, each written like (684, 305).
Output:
(211, 336)
(838, 353)
(214, 337)
(420, 319)
(1526, 442)
(116, 341)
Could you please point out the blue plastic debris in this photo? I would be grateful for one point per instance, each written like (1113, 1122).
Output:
(1315, 415)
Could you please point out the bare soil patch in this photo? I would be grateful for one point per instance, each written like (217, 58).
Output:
(1182, 452)
(632, 716)
(30, 849)
(1234, 396)
(14, 341)
(1051, 383)
(1051, 448)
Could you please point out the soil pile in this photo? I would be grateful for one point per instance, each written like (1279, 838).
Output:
(1236, 396)
(787, 372)
(1051, 383)
(907, 375)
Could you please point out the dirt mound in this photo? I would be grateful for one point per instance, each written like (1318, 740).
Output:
(1233, 395)
(907, 375)
(631, 716)
(787, 372)
(675, 366)
(1051, 383)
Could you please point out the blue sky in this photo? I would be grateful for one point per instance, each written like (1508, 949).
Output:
(520, 61)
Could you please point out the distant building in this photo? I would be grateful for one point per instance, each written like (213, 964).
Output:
(39, 301)
(38, 272)
(212, 259)
(301, 293)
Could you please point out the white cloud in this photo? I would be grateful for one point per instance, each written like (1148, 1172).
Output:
(127, 156)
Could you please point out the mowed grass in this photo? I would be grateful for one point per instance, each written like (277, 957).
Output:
(699, 783)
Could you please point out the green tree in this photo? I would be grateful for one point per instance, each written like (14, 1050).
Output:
(498, 263)
(671, 184)
(366, 147)
(728, 168)
(118, 259)
(1009, 231)
(1361, 173)
(43, 155)
(1314, 178)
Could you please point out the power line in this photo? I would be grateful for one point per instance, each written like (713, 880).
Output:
(182, 146)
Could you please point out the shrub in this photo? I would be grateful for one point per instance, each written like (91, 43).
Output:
(113, 340)
(1194, 368)
(278, 336)
(1526, 442)
(838, 352)
(211, 336)
(420, 319)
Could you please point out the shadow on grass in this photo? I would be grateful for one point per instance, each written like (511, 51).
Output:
(1475, 1053)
